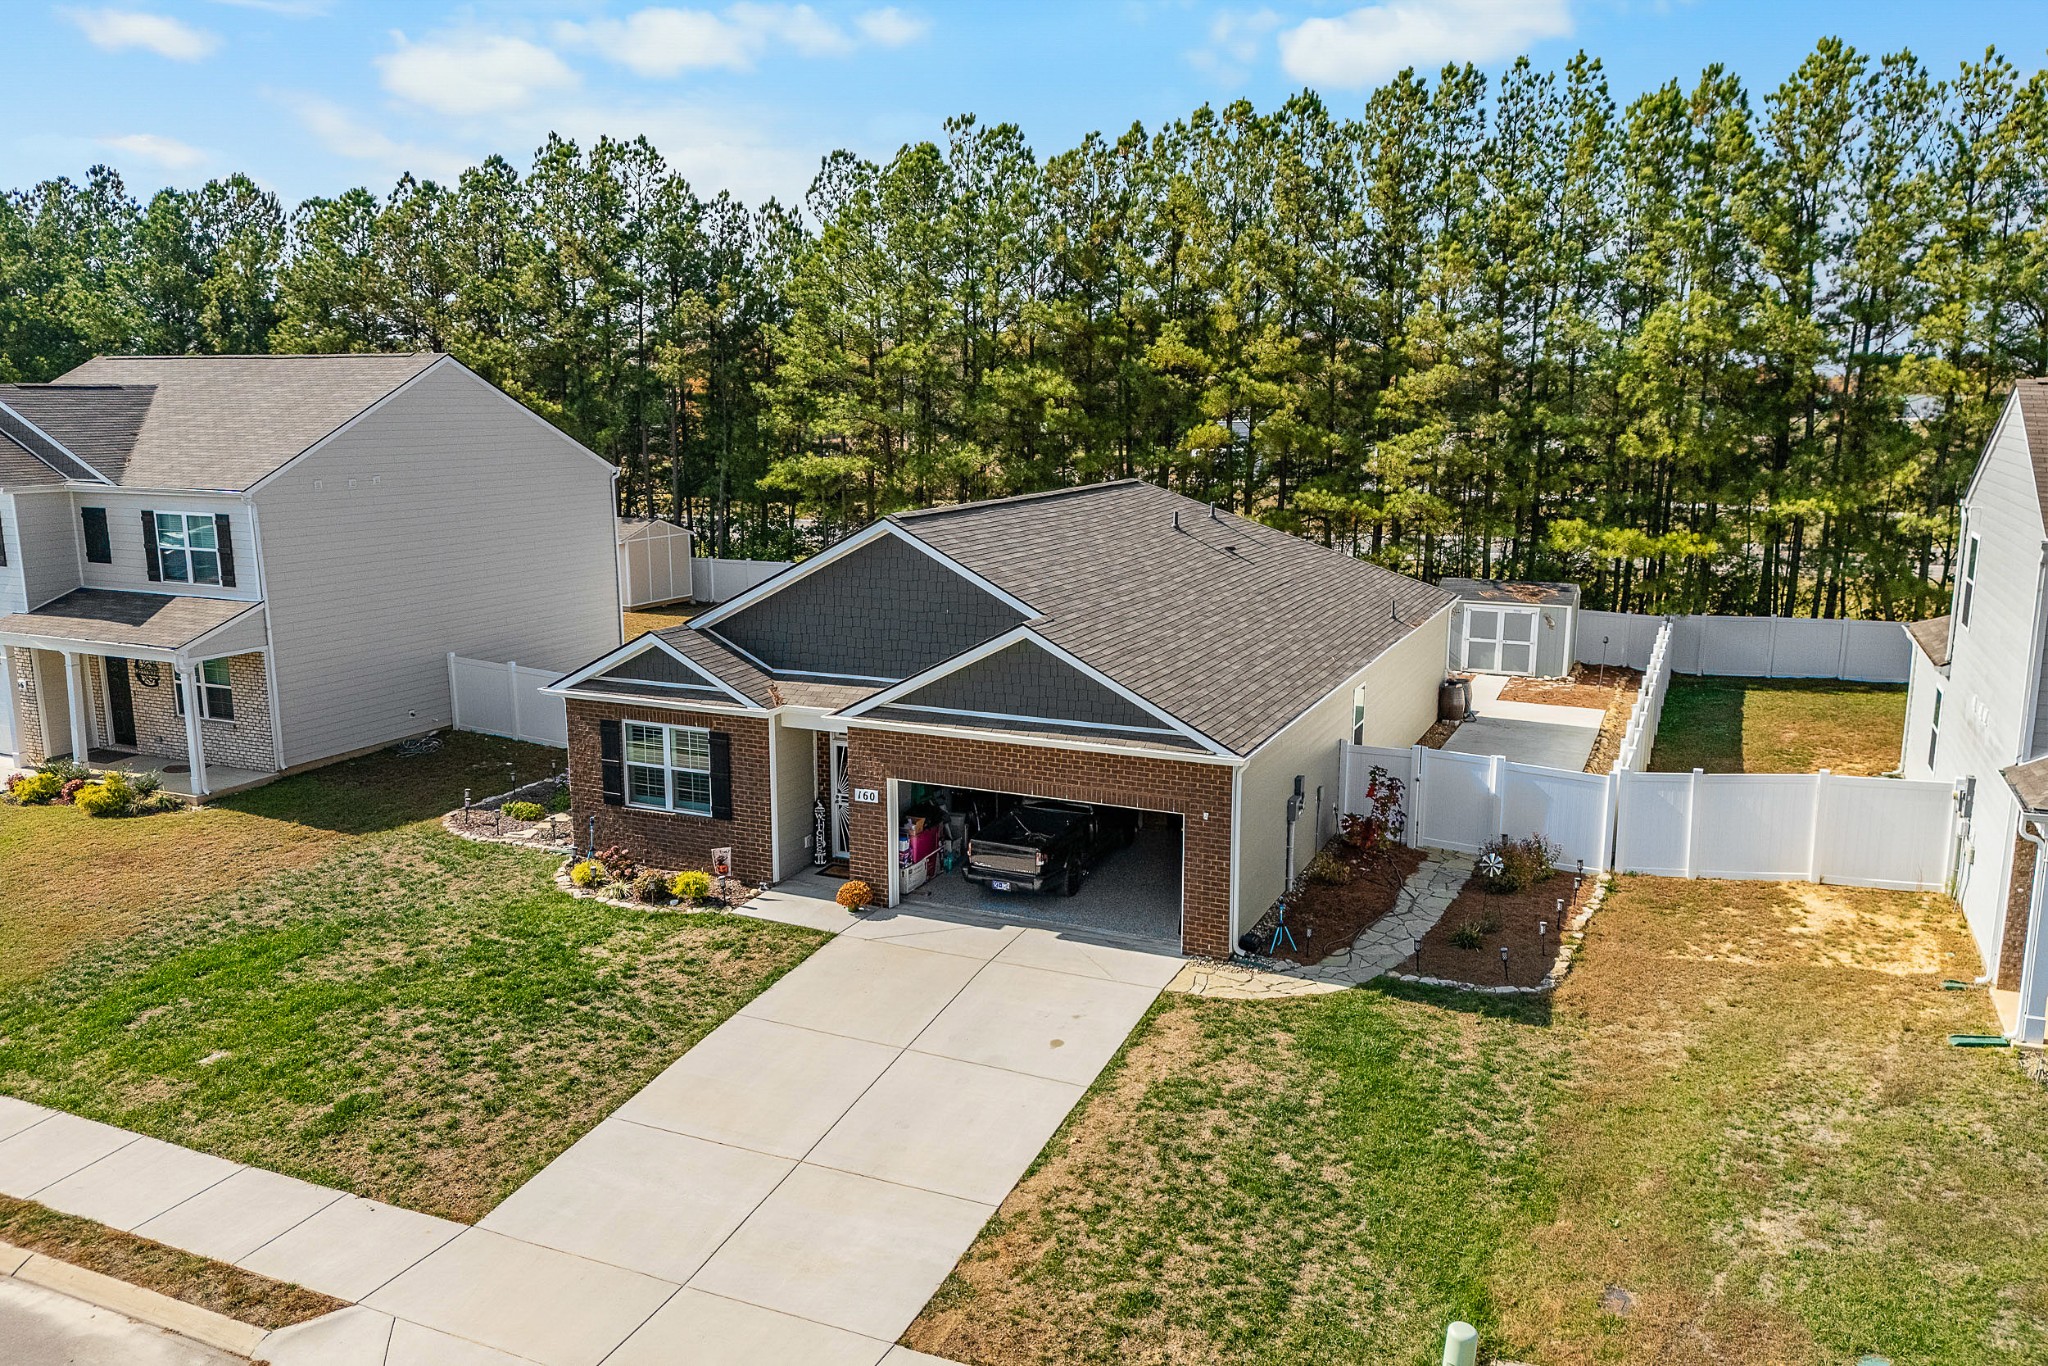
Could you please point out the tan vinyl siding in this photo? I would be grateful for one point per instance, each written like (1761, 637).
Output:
(45, 543)
(449, 519)
(1986, 721)
(129, 572)
(1400, 690)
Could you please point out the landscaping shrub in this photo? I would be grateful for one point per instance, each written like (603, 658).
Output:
(559, 802)
(586, 874)
(618, 864)
(650, 887)
(64, 770)
(112, 795)
(1510, 865)
(34, 789)
(146, 783)
(1384, 818)
(1472, 933)
(68, 793)
(157, 802)
(525, 811)
(1329, 869)
(855, 896)
(690, 886)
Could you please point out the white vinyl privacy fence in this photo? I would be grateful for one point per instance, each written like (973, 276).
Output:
(506, 699)
(720, 580)
(1640, 737)
(1817, 827)
(1752, 647)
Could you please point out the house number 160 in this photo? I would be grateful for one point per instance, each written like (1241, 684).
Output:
(869, 795)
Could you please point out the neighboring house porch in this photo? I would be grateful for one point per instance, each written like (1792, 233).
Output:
(145, 681)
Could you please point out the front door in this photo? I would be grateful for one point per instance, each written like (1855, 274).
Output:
(53, 701)
(842, 801)
(1500, 639)
(120, 703)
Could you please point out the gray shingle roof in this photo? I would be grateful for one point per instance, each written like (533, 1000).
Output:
(106, 617)
(94, 424)
(722, 664)
(213, 422)
(2029, 782)
(1932, 638)
(19, 466)
(1231, 626)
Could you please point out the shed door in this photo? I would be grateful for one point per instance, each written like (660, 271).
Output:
(1500, 640)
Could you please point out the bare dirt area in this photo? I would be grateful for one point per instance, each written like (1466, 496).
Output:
(1612, 690)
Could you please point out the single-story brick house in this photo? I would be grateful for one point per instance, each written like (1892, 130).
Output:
(1115, 644)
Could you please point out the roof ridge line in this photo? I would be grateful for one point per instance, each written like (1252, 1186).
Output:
(1070, 490)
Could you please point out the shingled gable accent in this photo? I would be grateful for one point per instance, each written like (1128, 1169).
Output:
(881, 610)
(651, 669)
(1019, 681)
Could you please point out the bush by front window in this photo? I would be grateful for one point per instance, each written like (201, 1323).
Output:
(668, 768)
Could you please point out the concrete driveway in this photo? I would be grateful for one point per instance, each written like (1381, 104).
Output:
(797, 1185)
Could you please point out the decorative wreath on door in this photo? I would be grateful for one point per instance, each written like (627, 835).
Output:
(147, 673)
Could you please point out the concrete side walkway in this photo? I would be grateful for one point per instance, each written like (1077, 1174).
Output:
(1526, 732)
(794, 1188)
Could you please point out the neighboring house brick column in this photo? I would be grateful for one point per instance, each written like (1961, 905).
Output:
(1199, 793)
(665, 839)
(2019, 901)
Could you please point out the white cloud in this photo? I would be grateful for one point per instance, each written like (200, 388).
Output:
(467, 74)
(662, 41)
(290, 9)
(159, 149)
(114, 30)
(891, 27)
(1235, 40)
(347, 135)
(1376, 41)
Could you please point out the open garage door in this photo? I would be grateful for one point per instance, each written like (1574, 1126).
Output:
(1110, 870)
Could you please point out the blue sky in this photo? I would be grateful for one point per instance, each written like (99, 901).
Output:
(313, 96)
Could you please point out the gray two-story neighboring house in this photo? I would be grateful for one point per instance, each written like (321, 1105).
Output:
(223, 567)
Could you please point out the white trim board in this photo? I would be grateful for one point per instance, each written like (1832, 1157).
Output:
(1025, 738)
(633, 649)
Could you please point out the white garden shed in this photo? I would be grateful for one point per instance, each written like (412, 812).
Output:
(654, 562)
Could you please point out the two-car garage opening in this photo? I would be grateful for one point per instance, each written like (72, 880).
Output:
(1063, 864)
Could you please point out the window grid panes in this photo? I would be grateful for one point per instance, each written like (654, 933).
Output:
(187, 548)
(216, 692)
(668, 768)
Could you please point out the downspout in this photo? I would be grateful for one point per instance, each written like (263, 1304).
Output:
(2030, 717)
(2031, 1022)
(269, 635)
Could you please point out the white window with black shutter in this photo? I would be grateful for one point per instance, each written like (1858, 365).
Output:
(681, 769)
(189, 547)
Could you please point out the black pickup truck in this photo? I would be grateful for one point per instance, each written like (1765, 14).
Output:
(1046, 846)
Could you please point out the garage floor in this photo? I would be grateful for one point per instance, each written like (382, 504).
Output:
(1133, 894)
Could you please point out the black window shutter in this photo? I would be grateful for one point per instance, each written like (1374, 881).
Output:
(721, 776)
(611, 753)
(149, 555)
(3, 547)
(98, 548)
(224, 539)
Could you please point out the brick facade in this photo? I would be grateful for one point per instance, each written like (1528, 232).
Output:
(244, 742)
(1199, 793)
(665, 839)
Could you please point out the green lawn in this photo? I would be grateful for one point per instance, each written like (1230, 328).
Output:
(1740, 1110)
(1757, 725)
(366, 1001)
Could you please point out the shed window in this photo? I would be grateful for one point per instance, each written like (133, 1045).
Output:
(216, 692)
(668, 768)
(1968, 590)
(187, 547)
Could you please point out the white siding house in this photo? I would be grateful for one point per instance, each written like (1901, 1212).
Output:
(225, 567)
(1975, 697)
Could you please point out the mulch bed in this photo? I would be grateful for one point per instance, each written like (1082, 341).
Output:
(1517, 914)
(1326, 918)
(1434, 737)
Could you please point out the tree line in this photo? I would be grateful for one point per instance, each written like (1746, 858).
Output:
(1701, 352)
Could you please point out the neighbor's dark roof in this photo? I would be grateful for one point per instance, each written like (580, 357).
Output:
(1932, 637)
(93, 425)
(200, 422)
(148, 620)
(1506, 590)
(2029, 782)
(1232, 627)
(2032, 395)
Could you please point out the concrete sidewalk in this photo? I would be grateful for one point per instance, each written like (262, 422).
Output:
(794, 1188)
